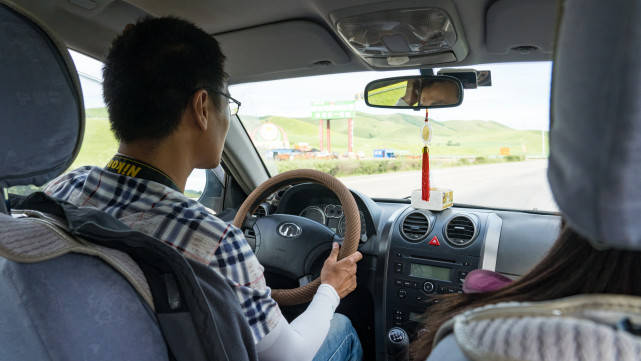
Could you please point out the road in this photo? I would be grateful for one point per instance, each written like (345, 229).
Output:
(518, 185)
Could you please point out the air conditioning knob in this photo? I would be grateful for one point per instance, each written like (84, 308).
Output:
(428, 287)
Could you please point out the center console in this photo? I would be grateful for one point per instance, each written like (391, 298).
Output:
(425, 261)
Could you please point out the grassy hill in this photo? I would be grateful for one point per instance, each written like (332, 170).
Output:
(98, 144)
(399, 132)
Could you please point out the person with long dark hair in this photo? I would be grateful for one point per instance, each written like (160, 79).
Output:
(571, 267)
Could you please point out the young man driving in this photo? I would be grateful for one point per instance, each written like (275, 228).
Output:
(166, 94)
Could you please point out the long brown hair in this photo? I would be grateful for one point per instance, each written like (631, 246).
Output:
(571, 267)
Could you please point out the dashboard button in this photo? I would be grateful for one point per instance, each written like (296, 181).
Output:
(398, 282)
(402, 294)
(406, 283)
(428, 287)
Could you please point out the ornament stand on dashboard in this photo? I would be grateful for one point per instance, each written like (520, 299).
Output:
(433, 199)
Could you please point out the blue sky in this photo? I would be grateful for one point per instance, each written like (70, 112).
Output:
(519, 96)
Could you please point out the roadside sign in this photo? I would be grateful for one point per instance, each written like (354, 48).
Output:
(333, 110)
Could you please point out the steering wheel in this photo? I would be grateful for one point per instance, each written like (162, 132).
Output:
(281, 234)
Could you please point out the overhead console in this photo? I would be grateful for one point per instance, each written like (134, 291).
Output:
(409, 34)
(431, 255)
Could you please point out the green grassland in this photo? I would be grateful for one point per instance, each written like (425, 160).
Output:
(98, 144)
(399, 132)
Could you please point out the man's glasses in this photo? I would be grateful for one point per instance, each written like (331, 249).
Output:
(234, 104)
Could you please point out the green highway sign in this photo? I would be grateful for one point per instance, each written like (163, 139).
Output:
(333, 110)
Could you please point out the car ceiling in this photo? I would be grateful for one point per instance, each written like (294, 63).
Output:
(265, 40)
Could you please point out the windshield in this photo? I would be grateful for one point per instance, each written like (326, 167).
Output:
(491, 150)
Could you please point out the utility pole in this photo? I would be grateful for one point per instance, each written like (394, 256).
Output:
(320, 133)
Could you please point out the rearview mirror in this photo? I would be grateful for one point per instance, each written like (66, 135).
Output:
(414, 92)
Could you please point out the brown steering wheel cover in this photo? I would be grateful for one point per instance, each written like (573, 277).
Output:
(295, 296)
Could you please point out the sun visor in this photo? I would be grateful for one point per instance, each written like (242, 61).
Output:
(521, 26)
(274, 48)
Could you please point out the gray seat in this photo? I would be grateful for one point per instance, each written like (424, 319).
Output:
(73, 307)
(594, 173)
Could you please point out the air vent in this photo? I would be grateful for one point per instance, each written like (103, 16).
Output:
(260, 211)
(415, 227)
(460, 231)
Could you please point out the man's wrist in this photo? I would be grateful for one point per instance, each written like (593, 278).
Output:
(330, 291)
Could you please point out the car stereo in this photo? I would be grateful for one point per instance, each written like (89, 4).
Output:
(414, 278)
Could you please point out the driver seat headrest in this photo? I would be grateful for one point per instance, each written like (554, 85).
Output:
(595, 135)
(41, 100)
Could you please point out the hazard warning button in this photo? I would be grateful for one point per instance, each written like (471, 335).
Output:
(434, 242)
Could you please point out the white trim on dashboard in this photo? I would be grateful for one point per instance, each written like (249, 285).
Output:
(490, 250)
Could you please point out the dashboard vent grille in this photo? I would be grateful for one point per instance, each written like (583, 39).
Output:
(415, 227)
(260, 211)
(460, 231)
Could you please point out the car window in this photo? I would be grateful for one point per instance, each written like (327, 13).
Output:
(491, 151)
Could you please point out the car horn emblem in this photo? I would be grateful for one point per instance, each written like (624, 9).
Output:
(290, 230)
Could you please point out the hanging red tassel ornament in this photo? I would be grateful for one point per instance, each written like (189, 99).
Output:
(426, 174)
(426, 134)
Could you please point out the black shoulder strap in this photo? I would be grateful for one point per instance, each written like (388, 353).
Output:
(197, 324)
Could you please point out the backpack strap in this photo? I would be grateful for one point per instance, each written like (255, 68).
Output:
(197, 310)
(33, 236)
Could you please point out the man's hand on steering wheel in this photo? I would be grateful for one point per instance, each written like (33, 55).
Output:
(340, 274)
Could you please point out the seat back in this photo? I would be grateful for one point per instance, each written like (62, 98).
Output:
(73, 307)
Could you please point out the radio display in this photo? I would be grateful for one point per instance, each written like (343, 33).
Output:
(425, 271)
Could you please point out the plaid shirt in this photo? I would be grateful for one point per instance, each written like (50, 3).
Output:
(188, 226)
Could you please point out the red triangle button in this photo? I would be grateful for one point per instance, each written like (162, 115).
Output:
(435, 242)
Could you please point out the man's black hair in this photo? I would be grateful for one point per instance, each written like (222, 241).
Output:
(152, 71)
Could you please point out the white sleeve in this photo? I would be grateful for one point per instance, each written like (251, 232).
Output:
(301, 339)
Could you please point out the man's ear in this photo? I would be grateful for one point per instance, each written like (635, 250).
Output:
(200, 109)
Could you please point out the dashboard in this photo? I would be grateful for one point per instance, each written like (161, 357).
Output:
(413, 255)
(331, 215)
(319, 204)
